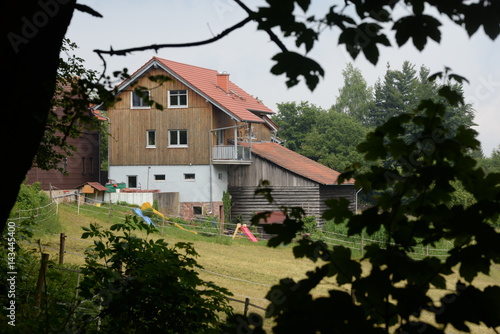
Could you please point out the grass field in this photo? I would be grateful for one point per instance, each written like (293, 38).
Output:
(246, 269)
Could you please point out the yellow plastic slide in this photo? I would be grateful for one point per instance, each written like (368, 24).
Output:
(147, 205)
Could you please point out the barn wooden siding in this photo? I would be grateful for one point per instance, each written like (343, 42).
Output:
(288, 189)
(81, 167)
(338, 191)
(261, 169)
(310, 198)
(246, 203)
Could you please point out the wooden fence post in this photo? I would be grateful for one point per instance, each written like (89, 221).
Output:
(247, 302)
(41, 279)
(109, 209)
(78, 202)
(62, 245)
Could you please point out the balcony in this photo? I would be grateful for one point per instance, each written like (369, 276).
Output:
(231, 154)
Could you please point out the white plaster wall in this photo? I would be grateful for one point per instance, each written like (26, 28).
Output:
(131, 198)
(197, 190)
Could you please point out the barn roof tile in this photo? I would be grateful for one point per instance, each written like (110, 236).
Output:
(296, 163)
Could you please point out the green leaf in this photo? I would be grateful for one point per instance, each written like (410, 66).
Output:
(364, 37)
(294, 65)
(453, 96)
(313, 250)
(338, 210)
(343, 266)
(419, 28)
(420, 327)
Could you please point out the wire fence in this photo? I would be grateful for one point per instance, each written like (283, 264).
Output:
(119, 212)
(204, 226)
(208, 226)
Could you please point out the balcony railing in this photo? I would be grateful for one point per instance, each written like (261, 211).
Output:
(231, 153)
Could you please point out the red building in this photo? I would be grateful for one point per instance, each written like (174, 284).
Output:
(83, 166)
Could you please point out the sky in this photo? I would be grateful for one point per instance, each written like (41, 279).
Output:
(246, 53)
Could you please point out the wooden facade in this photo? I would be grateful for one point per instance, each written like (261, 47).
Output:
(81, 167)
(128, 127)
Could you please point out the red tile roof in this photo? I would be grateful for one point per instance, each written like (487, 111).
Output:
(95, 185)
(235, 102)
(98, 114)
(296, 163)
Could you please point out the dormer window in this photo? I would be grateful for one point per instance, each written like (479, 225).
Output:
(139, 100)
(177, 98)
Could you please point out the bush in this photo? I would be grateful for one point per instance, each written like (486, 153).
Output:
(147, 286)
(32, 205)
(59, 302)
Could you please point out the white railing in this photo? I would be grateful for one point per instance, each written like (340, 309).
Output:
(230, 152)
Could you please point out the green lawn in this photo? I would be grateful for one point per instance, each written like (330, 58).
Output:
(245, 268)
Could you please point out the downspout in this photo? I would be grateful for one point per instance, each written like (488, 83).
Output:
(250, 135)
(236, 140)
(147, 184)
(210, 142)
(356, 202)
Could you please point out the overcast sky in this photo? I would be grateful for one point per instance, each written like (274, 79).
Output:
(246, 54)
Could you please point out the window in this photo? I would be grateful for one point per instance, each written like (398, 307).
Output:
(65, 165)
(83, 165)
(197, 210)
(138, 101)
(189, 176)
(151, 138)
(220, 176)
(160, 178)
(132, 181)
(177, 98)
(220, 137)
(177, 138)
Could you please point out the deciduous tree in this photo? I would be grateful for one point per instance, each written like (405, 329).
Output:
(355, 97)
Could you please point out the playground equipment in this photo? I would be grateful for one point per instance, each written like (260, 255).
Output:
(245, 231)
(146, 218)
(147, 205)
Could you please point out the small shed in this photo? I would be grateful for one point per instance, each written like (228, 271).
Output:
(93, 192)
(275, 217)
(295, 181)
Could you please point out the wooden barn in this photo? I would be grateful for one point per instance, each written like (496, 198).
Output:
(295, 180)
(83, 166)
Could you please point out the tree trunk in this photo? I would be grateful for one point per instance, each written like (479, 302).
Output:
(33, 32)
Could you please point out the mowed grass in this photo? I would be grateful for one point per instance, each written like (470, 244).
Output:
(245, 268)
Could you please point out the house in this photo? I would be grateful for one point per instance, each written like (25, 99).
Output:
(210, 137)
(81, 167)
